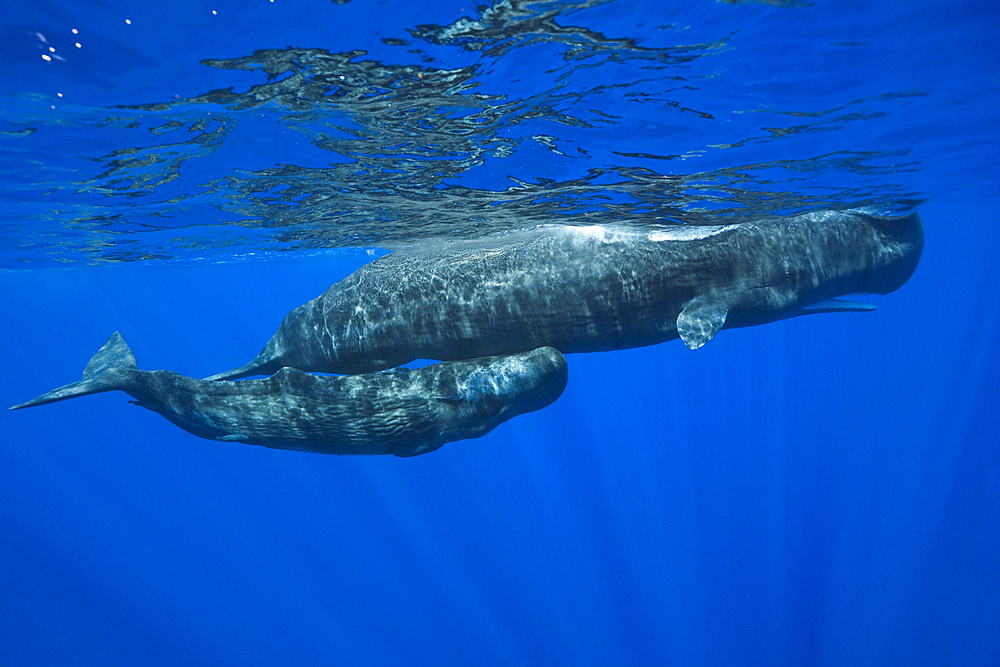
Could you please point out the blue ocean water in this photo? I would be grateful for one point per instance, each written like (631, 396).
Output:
(818, 491)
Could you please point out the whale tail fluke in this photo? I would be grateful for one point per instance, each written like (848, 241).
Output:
(106, 371)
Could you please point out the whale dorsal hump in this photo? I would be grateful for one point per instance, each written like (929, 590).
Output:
(700, 320)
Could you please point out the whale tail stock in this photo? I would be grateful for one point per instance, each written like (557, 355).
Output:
(256, 366)
(269, 361)
(107, 370)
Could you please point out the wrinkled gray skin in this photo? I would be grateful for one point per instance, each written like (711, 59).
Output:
(403, 412)
(587, 289)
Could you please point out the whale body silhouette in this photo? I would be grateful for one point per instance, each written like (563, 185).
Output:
(403, 412)
(587, 289)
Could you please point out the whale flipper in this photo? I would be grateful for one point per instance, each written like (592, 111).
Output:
(700, 321)
(104, 372)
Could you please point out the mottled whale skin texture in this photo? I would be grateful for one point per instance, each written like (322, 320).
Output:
(588, 289)
(405, 412)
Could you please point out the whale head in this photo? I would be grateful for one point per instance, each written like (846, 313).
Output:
(836, 253)
(893, 253)
(515, 384)
(804, 264)
(476, 395)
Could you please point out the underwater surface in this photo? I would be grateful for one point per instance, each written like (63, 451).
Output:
(823, 490)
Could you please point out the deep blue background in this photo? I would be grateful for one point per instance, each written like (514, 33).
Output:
(824, 490)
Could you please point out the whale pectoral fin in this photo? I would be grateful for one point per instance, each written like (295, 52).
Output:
(837, 306)
(233, 437)
(700, 321)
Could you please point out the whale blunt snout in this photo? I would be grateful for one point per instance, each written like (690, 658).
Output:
(903, 243)
(546, 370)
(906, 230)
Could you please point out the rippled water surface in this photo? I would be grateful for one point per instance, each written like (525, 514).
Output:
(278, 126)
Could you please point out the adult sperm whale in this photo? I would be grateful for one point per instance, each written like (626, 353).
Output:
(403, 412)
(585, 289)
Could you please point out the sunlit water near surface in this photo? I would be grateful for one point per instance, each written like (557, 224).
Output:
(819, 491)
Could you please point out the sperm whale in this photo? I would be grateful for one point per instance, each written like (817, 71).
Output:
(590, 288)
(405, 412)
